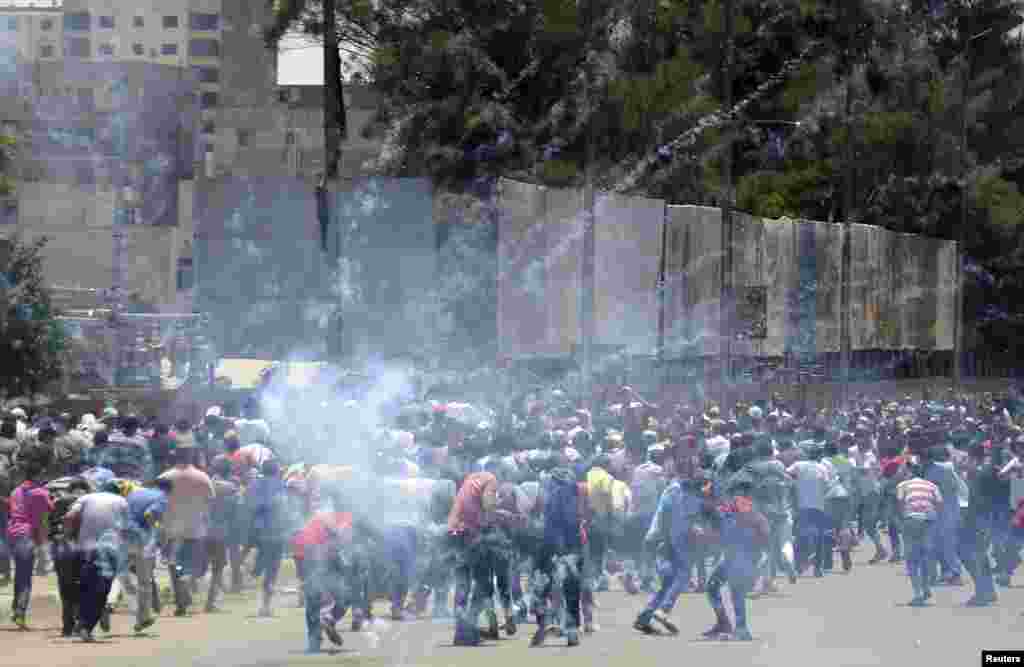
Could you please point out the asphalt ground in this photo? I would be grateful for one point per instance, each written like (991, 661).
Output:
(848, 620)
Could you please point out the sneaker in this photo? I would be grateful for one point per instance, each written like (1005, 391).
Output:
(742, 635)
(589, 628)
(181, 612)
(539, 636)
(492, 632)
(20, 620)
(665, 622)
(792, 577)
(331, 630)
(510, 625)
(918, 601)
(981, 601)
(144, 625)
(105, 619)
(573, 638)
(644, 626)
(86, 636)
(265, 612)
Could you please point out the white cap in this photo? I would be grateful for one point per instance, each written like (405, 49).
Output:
(19, 413)
(215, 411)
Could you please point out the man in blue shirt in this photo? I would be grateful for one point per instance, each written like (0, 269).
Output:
(146, 508)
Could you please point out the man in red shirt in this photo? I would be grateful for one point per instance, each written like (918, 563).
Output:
(473, 509)
(316, 551)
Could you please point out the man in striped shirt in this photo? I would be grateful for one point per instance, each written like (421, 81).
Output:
(920, 502)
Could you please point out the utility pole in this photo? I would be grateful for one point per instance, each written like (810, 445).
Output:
(961, 235)
(726, 300)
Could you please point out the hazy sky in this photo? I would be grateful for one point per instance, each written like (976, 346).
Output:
(300, 62)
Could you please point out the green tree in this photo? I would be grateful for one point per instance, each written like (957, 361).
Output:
(32, 339)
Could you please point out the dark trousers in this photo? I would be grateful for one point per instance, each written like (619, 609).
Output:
(739, 586)
(68, 564)
(5, 548)
(23, 549)
(268, 561)
(564, 571)
(319, 580)
(98, 572)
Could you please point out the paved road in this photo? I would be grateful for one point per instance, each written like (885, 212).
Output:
(854, 620)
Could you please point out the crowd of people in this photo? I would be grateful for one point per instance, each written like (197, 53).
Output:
(458, 511)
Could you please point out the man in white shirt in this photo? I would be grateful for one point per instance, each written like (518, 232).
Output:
(99, 519)
(811, 477)
(717, 444)
(867, 474)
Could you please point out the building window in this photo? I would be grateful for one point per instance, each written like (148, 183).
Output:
(208, 100)
(170, 22)
(243, 138)
(46, 51)
(200, 21)
(138, 49)
(12, 23)
(86, 99)
(107, 22)
(207, 74)
(46, 25)
(209, 127)
(204, 48)
(78, 21)
(9, 212)
(169, 50)
(139, 22)
(77, 47)
(106, 49)
(186, 274)
(289, 138)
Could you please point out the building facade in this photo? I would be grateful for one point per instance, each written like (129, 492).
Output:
(74, 69)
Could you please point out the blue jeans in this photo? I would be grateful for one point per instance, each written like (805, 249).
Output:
(948, 527)
(919, 536)
(24, 551)
(740, 587)
(675, 579)
(814, 534)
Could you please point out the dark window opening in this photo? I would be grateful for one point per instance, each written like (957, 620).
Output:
(169, 50)
(78, 21)
(201, 21)
(106, 21)
(170, 22)
(204, 48)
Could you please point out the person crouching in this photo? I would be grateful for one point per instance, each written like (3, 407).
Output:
(745, 533)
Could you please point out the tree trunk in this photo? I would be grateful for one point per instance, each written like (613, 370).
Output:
(335, 126)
